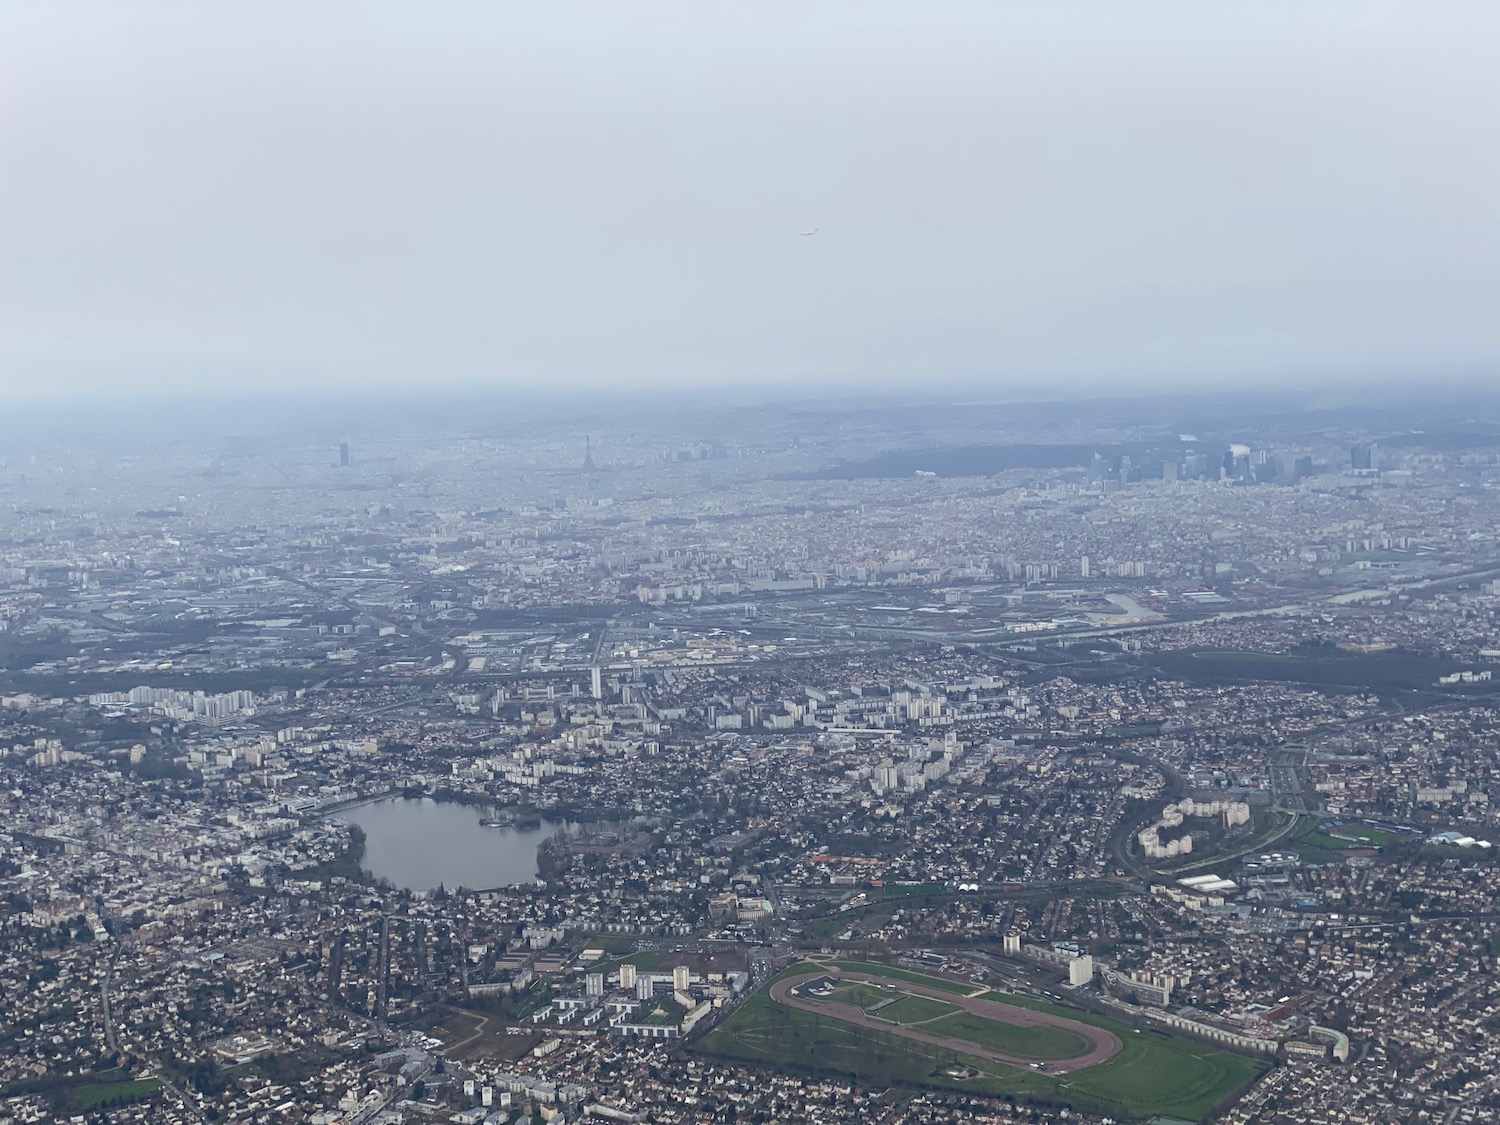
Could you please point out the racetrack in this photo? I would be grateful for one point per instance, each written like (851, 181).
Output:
(1102, 1044)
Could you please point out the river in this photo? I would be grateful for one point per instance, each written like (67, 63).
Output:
(419, 843)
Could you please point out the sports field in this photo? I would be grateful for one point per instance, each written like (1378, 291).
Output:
(934, 1027)
(121, 1093)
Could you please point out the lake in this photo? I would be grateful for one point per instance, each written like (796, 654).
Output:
(418, 843)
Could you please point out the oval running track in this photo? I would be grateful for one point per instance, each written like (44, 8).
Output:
(1103, 1044)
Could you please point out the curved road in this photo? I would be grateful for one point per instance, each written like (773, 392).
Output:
(1102, 1044)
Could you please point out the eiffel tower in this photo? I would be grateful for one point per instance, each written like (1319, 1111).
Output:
(588, 456)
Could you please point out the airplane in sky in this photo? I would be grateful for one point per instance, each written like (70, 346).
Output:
(809, 233)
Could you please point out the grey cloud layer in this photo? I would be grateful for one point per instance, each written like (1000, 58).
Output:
(366, 193)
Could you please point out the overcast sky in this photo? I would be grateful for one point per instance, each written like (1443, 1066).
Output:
(1050, 195)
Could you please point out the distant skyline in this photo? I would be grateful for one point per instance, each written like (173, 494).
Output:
(1026, 199)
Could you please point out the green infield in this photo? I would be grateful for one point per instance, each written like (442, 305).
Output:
(874, 970)
(915, 1009)
(1041, 1043)
(864, 996)
(1153, 1074)
(1321, 841)
(774, 1035)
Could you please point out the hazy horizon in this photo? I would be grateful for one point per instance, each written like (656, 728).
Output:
(323, 417)
(1010, 200)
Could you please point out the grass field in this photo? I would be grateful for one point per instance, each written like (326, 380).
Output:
(1327, 842)
(915, 1009)
(902, 974)
(1316, 846)
(468, 1034)
(91, 1096)
(1043, 1043)
(1361, 836)
(1154, 1073)
(862, 995)
(772, 1035)
(943, 1018)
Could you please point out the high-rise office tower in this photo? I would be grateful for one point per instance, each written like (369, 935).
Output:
(343, 454)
